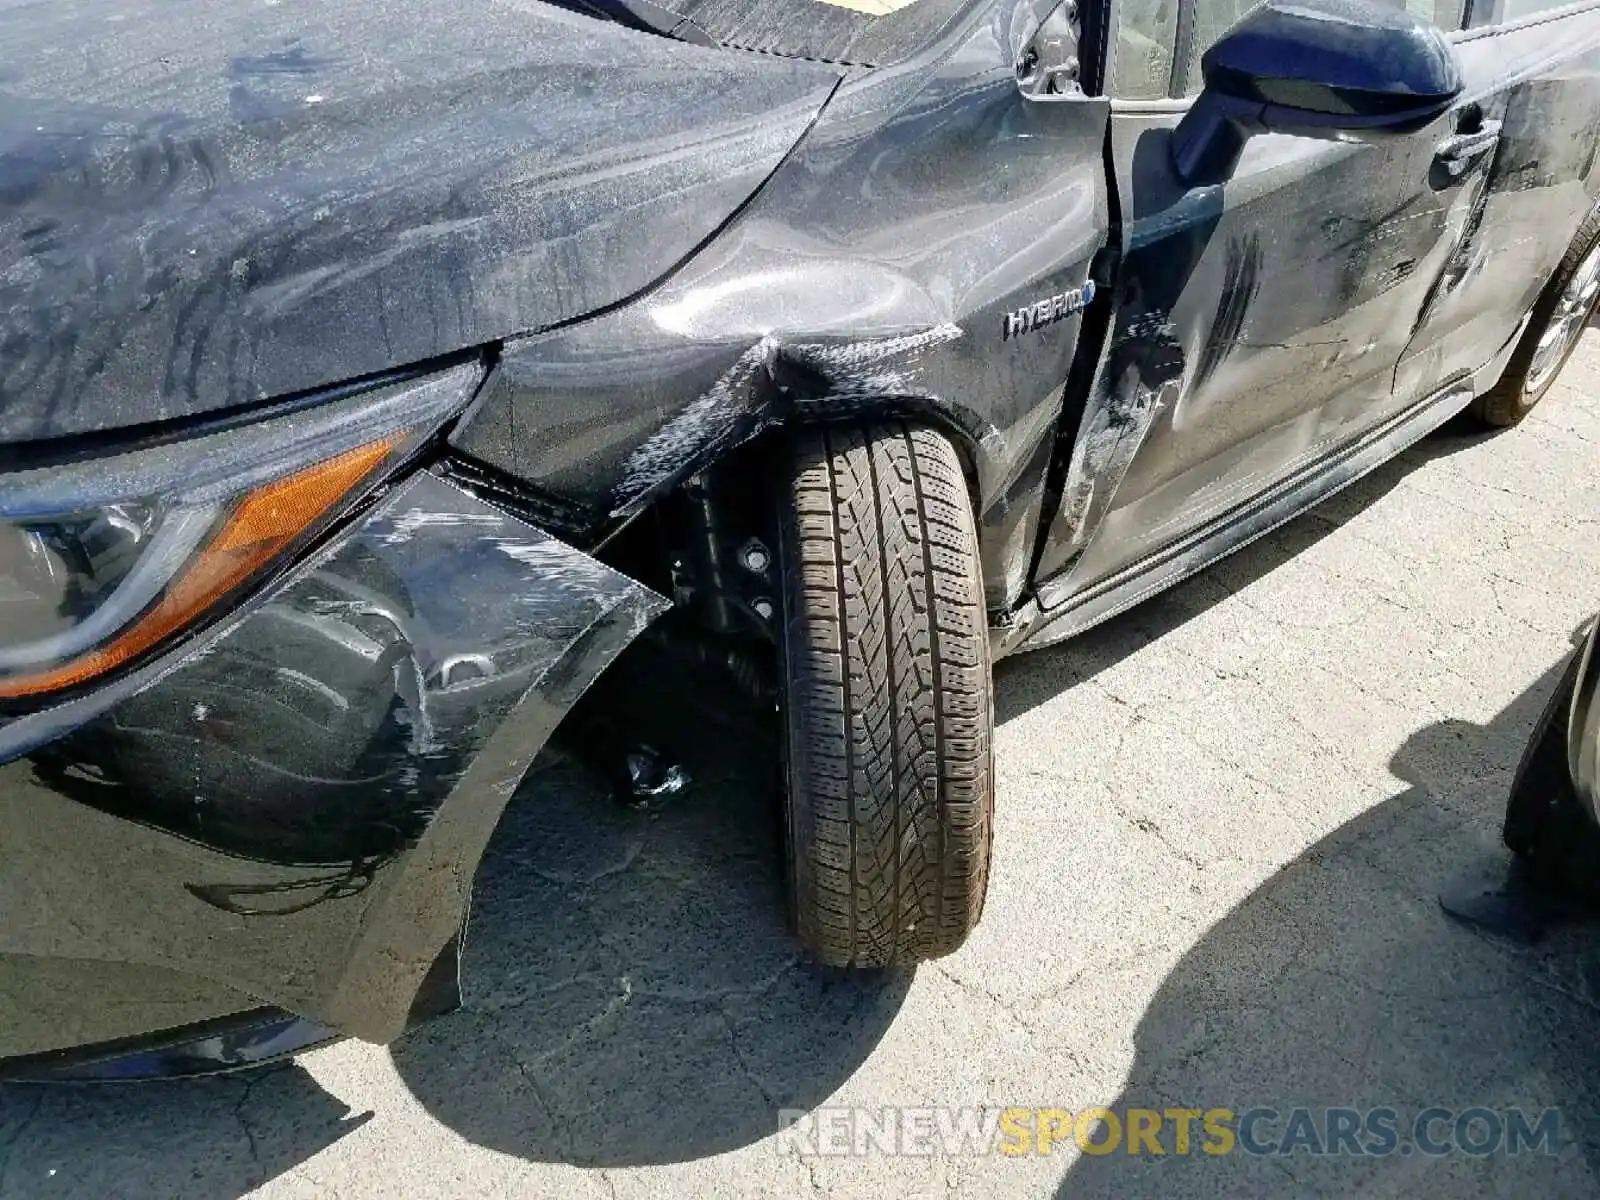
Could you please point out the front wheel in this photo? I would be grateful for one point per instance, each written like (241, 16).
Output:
(1559, 318)
(887, 700)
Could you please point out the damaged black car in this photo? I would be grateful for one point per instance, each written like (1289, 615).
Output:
(372, 375)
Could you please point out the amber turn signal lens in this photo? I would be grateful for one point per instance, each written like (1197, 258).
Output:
(261, 526)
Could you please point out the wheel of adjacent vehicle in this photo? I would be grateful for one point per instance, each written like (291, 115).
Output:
(887, 696)
(1547, 824)
(1559, 317)
(1541, 812)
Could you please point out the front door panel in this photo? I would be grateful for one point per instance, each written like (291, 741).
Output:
(1258, 325)
(1538, 83)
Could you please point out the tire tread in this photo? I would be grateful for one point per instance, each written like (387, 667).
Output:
(889, 711)
(1507, 402)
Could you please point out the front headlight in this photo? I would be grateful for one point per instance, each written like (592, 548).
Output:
(105, 559)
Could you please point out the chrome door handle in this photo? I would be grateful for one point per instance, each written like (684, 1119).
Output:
(1457, 151)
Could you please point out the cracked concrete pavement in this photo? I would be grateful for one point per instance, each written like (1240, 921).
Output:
(1222, 822)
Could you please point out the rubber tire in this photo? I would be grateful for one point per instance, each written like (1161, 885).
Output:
(1509, 401)
(887, 697)
(1547, 825)
(1539, 812)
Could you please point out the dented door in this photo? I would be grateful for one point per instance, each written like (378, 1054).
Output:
(1257, 326)
(1533, 94)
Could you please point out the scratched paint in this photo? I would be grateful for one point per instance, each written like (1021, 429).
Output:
(212, 204)
(1141, 381)
(713, 422)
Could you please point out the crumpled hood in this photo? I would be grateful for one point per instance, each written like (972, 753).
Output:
(208, 203)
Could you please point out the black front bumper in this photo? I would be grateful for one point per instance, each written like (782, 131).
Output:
(268, 837)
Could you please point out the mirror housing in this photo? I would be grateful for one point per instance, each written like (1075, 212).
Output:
(1314, 67)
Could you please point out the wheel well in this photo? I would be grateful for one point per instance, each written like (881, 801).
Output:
(709, 542)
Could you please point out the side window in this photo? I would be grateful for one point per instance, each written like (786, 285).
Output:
(1141, 67)
(1213, 18)
(1501, 12)
(1448, 15)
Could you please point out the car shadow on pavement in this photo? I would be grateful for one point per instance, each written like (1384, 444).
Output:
(1340, 983)
(632, 993)
(633, 996)
(1028, 680)
(214, 1138)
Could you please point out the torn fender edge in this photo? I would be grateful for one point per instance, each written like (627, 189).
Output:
(775, 381)
(430, 895)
